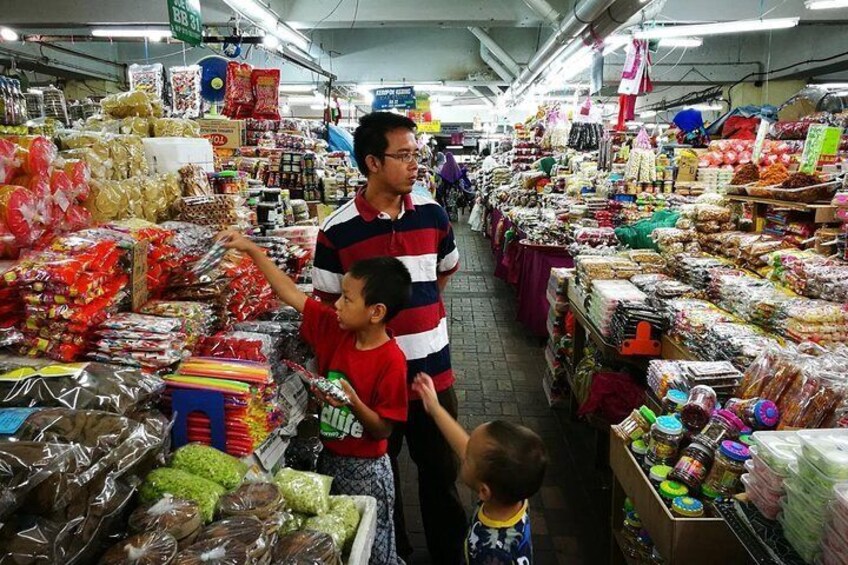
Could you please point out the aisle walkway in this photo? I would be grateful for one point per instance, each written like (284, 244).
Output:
(499, 372)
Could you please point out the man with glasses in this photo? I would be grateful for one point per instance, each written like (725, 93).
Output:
(387, 218)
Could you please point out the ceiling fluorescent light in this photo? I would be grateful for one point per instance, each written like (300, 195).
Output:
(290, 35)
(831, 85)
(302, 88)
(440, 88)
(298, 51)
(254, 11)
(681, 42)
(705, 107)
(826, 4)
(8, 34)
(151, 34)
(316, 107)
(271, 41)
(738, 26)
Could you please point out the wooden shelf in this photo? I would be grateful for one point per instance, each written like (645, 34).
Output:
(673, 350)
(825, 212)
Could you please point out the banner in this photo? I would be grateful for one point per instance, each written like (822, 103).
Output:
(821, 147)
(434, 126)
(185, 20)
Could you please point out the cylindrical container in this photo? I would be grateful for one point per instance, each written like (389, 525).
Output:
(666, 434)
(658, 474)
(728, 467)
(693, 466)
(674, 401)
(696, 412)
(637, 424)
(639, 448)
(723, 425)
(687, 507)
(758, 413)
(669, 490)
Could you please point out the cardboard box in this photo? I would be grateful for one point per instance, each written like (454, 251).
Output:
(138, 275)
(679, 540)
(223, 134)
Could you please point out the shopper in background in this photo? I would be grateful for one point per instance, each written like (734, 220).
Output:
(489, 162)
(387, 219)
(354, 350)
(504, 464)
(452, 181)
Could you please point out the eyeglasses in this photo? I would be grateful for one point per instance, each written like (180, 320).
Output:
(406, 158)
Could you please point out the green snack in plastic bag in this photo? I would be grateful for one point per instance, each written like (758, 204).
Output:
(291, 522)
(345, 508)
(329, 524)
(180, 484)
(211, 464)
(307, 493)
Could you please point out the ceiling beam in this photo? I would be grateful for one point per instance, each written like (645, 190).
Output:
(547, 12)
(496, 50)
(495, 65)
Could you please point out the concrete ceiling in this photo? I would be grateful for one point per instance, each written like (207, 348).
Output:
(417, 41)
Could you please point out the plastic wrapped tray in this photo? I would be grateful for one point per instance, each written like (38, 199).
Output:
(778, 449)
(827, 450)
(806, 194)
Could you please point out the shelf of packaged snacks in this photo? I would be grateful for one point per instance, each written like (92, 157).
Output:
(618, 553)
(678, 540)
(673, 350)
(825, 213)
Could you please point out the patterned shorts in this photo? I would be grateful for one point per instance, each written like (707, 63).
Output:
(368, 477)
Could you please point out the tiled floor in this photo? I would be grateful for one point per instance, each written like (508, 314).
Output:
(499, 374)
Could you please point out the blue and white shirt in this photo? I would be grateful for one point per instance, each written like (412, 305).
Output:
(493, 542)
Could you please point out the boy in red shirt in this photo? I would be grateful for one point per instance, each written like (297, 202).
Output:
(353, 349)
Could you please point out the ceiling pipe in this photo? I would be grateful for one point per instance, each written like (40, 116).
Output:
(544, 10)
(601, 26)
(481, 95)
(496, 50)
(495, 65)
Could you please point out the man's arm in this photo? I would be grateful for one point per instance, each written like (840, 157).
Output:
(443, 280)
(285, 288)
(454, 433)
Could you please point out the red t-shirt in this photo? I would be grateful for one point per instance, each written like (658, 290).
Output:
(378, 376)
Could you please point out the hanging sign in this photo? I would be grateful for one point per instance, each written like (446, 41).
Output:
(821, 147)
(186, 23)
(422, 102)
(402, 98)
(761, 138)
(434, 126)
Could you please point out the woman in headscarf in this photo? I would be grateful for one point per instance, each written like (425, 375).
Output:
(451, 193)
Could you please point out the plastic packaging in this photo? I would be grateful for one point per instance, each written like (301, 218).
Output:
(636, 425)
(305, 492)
(214, 552)
(345, 508)
(266, 87)
(252, 499)
(176, 516)
(827, 450)
(693, 466)
(674, 400)
(181, 484)
(723, 425)
(727, 469)
(306, 547)
(328, 524)
(150, 548)
(778, 450)
(149, 78)
(666, 434)
(757, 413)
(209, 463)
(26, 465)
(247, 530)
(238, 97)
(185, 91)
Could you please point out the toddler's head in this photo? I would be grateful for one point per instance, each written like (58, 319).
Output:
(504, 462)
(373, 292)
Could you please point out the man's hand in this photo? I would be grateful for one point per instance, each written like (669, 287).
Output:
(232, 239)
(423, 386)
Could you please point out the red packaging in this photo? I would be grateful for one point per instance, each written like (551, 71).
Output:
(238, 97)
(38, 154)
(18, 211)
(80, 175)
(77, 217)
(266, 91)
(9, 162)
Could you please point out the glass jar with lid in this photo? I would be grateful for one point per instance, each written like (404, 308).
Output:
(687, 507)
(669, 490)
(674, 400)
(693, 466)
(637, 424)
(758, 413)
(723, 425)
(666, 434)
(700, 404)
(658, 474)
(728, 467)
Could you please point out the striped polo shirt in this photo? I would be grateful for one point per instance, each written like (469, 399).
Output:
(422, 239)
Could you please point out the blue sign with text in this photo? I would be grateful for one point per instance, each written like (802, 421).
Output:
(401, 97)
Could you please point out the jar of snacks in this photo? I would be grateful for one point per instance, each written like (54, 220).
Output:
(728, 468)
(693, 466)
(687, 507)
(674, 400)
(639, 448)
(669, 490)
(637, 424)
(696, 412)
(758, 413)
(723, 425)
(658, 474)
(666, 434)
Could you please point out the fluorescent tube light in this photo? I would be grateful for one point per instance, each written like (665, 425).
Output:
(262, 16)
(290, 35)
(454, 147)
(831, 85)
(826, 4)
(681, 42)
(705, 107)
(302, 88)
(738, 26)
(8, 34)
(440, 88)
(151, 34)
(271, 42)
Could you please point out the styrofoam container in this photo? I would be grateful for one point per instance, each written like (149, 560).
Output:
(777, 449)
(169, 154)
(360, 552)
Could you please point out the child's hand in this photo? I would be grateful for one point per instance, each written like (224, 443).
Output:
(232, 239)
(351, 394)
(423, 386)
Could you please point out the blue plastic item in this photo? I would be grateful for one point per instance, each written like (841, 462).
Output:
(210, 403)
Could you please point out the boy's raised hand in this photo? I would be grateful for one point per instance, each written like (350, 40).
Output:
(423, 386)
(232, 239)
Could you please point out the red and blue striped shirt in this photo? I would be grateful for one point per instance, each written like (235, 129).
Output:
(422, 238)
